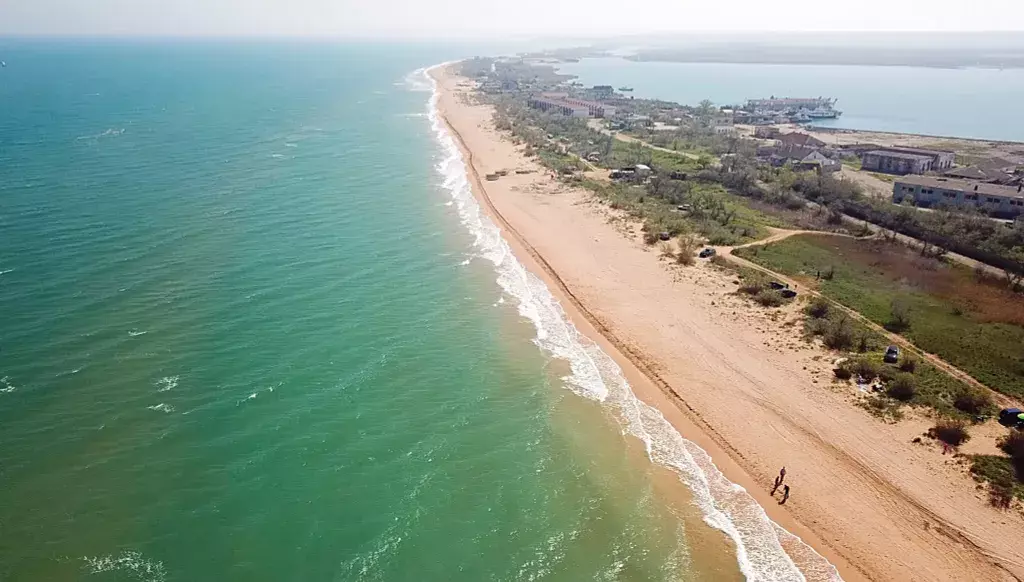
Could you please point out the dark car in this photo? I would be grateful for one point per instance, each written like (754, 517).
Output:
(1011, 417)
(892, 355)
(708, 252)
(777, 286)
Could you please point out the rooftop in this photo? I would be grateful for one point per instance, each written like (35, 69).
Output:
(964, 185)
(899, 155)
(921, 151)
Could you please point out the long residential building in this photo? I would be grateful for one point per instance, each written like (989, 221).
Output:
(572, 107)
(928, 192)
(559, 106)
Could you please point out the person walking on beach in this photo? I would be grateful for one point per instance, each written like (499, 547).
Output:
(785, 495)
(782, 475)
(778, 481)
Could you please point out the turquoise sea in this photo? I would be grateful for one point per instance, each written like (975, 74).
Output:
(966, 102)
(254, 327)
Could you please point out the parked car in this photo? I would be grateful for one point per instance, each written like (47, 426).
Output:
(787, 293)
(1012, 418)
(708, 252)
(778, 286)
(892, 355)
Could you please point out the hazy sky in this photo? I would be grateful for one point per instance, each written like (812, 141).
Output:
(483, 18)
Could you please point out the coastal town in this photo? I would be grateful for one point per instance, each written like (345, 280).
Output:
(929, 177)
(879, 272)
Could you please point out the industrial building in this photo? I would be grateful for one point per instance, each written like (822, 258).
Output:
(901, 160)
(928, 192)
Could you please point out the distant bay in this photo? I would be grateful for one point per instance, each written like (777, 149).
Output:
(966, 102)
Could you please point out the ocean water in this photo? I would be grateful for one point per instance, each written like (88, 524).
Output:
(967, 102)
(256, 328)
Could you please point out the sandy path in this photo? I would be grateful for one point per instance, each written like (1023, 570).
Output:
(875, 187)
(878, 506)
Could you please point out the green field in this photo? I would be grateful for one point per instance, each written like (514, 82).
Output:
(976, 325)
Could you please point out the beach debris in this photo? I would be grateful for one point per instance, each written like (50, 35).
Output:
(492, 177)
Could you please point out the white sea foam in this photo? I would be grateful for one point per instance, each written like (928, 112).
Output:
(595, 375)
(162, 407)
(5, 385)
(136, 333)
(5, 271)
(291, 145)
(277, 156)
(167, 383)
(112, 132)
(132, 563)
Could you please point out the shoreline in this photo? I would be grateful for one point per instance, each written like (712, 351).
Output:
(887, 521)
(648, 387)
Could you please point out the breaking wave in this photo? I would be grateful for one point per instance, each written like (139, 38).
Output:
(595, 375)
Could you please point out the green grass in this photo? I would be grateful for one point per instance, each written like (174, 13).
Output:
(556, 161)
(854, 163)
(734, 224)
(631, 153)
(968, 335)
(997, 471)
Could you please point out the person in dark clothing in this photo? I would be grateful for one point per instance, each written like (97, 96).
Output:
(785, 495)
(778, 482)
(782, 475)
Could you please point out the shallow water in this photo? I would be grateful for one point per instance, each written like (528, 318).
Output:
(923, 100)
(255, 328)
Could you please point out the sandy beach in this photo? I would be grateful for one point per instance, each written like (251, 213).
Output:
(740, 382)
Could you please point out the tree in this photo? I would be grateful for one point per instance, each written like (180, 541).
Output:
(900, 319)
(1015, 274)
(705, 112)
(703, 161)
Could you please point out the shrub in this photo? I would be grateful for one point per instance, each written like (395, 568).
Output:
(843, 372)
(769, 298)
(902, 387)
(908, 365)
(829, 274)
(818, 308)
(899, 319)
(687, 247)
(650, 238)
(952, 432)
(1013, 444)
(972, 401)
(839, 334)
(753, 285)
(887, 374)
(666, 250)
(1000, 495)
(862, 343)
(864, 368)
